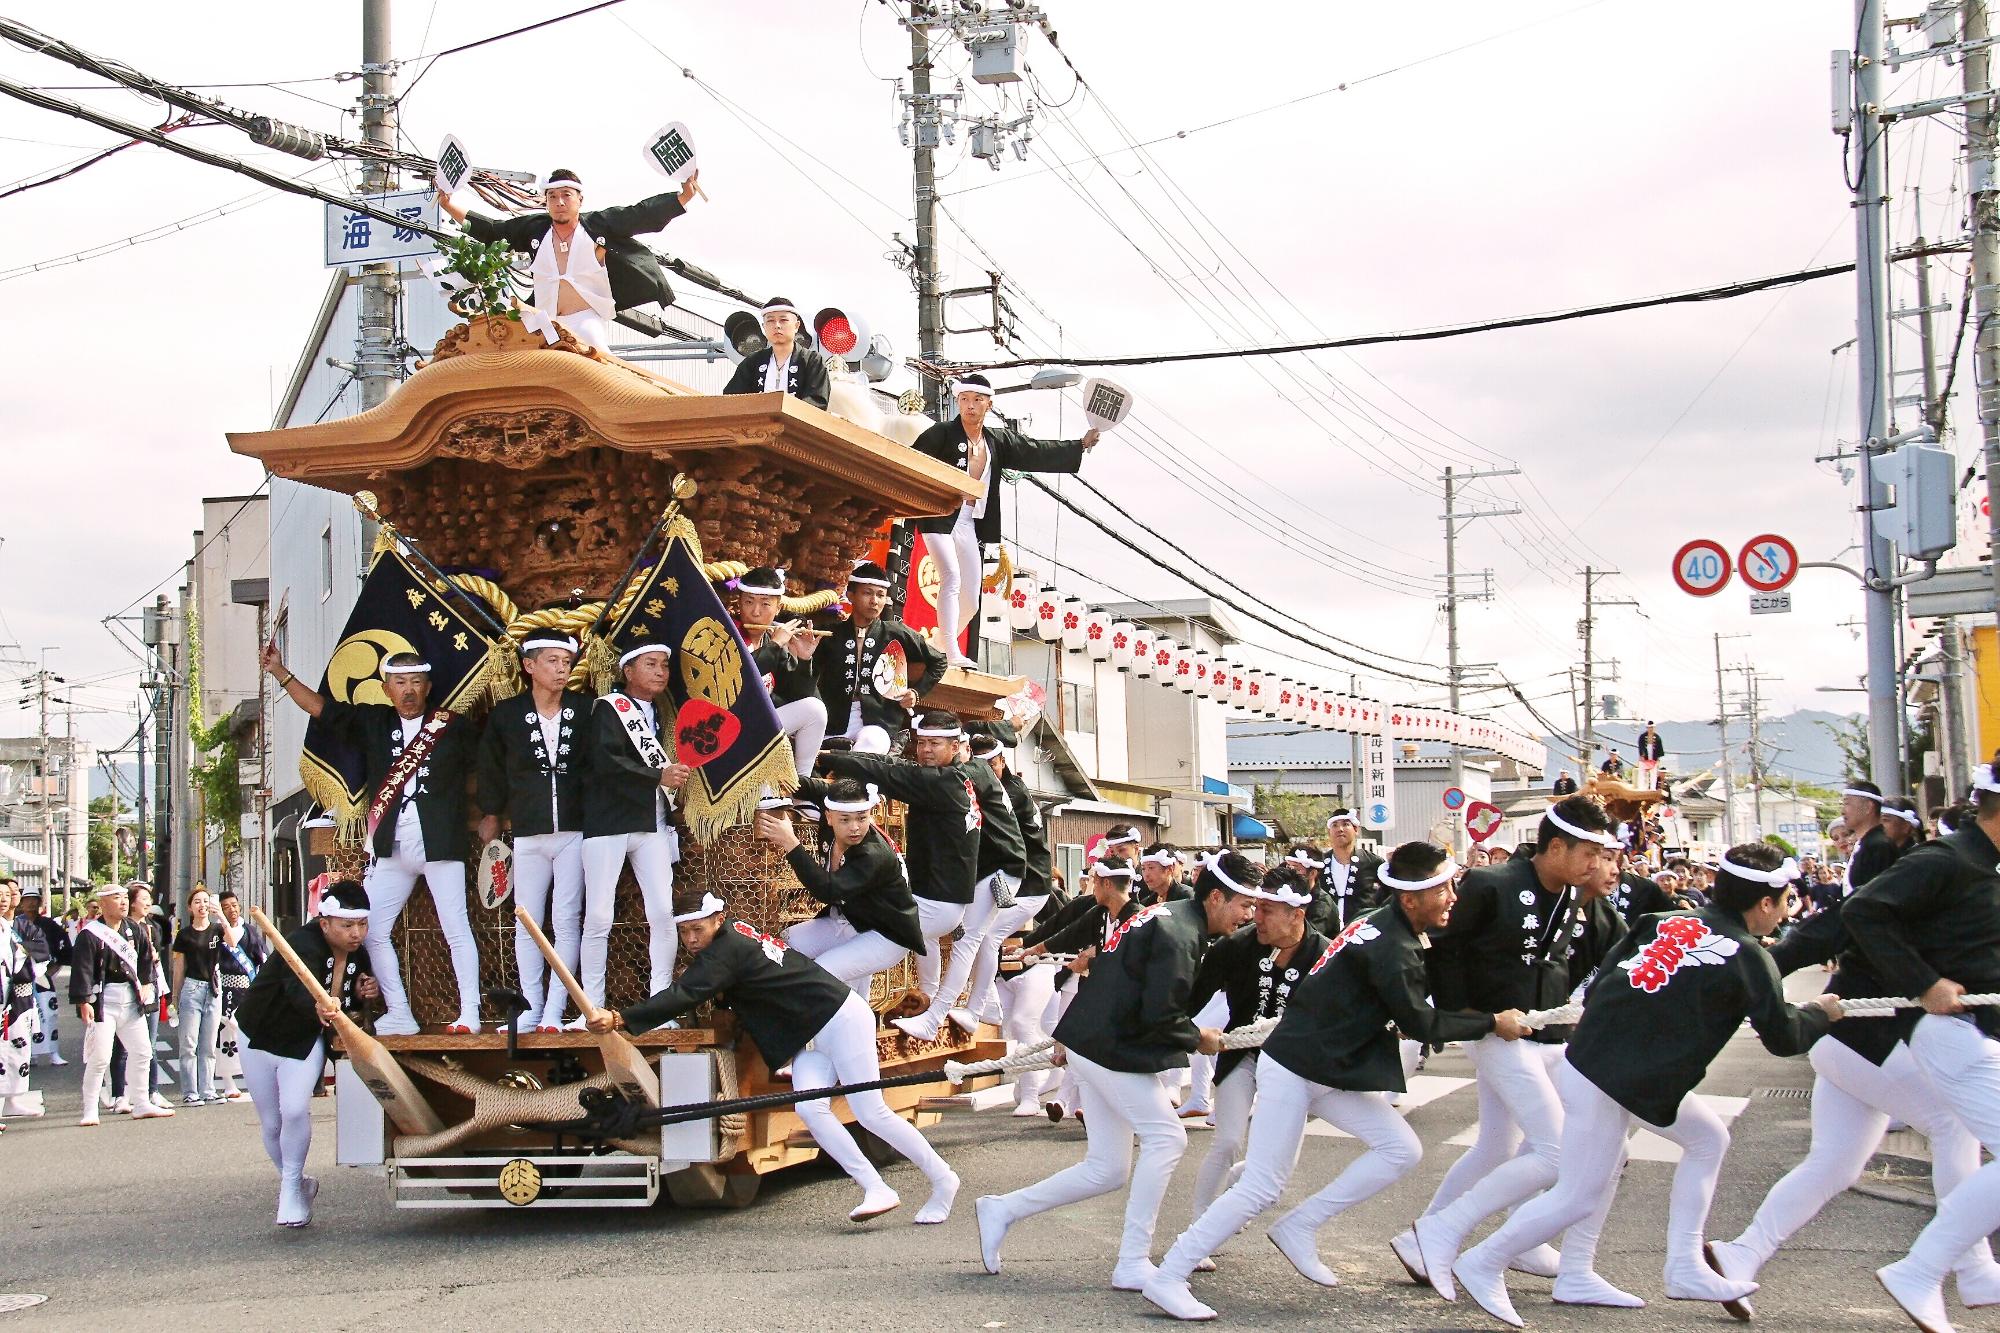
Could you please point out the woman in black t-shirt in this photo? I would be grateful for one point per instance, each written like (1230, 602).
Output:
(198, 993)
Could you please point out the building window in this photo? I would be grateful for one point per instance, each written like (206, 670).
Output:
(326, 562)
(1069, 864)
(997, 656)
(1079, 708)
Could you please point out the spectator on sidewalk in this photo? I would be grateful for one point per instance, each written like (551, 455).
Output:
(142, 913)
(197, 995)
(243, 952)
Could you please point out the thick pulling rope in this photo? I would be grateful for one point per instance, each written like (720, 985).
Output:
(1866, 1006)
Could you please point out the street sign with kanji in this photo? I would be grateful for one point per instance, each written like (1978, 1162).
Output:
(1768, 563)
(1701, 567)
(355, 238)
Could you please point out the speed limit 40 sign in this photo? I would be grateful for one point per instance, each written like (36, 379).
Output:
(1701, 567)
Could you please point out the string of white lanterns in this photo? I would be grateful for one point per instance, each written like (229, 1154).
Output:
(1033, 606)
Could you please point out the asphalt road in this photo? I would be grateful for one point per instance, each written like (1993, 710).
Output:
(167, 1224)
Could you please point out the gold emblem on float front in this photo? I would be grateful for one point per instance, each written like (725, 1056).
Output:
(711, 668)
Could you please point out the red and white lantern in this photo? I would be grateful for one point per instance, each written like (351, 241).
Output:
(1022, 601)
(1074, 634)
(1142, 653)
(1097, 636)
(1048, 615)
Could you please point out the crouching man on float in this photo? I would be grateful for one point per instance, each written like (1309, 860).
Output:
(787, 1002)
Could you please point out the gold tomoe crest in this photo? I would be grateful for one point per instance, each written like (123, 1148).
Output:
(520, 1182)
(711, 668)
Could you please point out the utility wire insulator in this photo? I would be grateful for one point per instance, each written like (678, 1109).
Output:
(287, 138)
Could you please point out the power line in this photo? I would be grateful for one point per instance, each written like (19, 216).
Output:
(1723, 292)
(498, 37)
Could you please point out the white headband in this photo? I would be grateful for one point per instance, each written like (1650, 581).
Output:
(1983, 779)
(1213, 865)
(1778, 878)
(867, 582)
(985, 747)
(710, 905)
(778, 591)
(1444, 874)
(536, 641)
(1163, 857)
(1601, 839)
(1874, 796)
(782, 308)
(406, 669)
(1288, 897)
(641, 651)
(333, 907)
(1342, 818)
(957, 732)
(1910, 817)
(1111, 872)
(1121, 840)
(854, 807)
(1946, 827)
(1302, 862)
(961, 386)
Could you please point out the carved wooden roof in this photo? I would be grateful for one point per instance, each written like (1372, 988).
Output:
(499, 397)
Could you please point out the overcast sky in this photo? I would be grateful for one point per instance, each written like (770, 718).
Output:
(1594, 152)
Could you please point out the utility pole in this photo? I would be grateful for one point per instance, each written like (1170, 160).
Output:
(1588, 628)
(1871, 345)
(1452, 597)
(925, 127)
(1984, 189)
(1722, 742)
(1754, 708)
(378, 360)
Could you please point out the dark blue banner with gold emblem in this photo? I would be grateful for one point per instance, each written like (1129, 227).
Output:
(397, 611)
(725, 726)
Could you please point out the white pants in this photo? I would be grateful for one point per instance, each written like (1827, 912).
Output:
(1517, 1099)
(1853, 1101)
(1117, 1107)
(121, 1020)
(1025, 1001)
(981, 994)
(844, 1052)
(15, 1058)
(1649, 774)
(960, 569)
(937, 920)
(652, 856)
(867, 739)
(50, 1005)
(804, 723)
(980, 942)
(589, 327)
(1284, 1103)
(543, 861)
(283, 1091)
(855, 956)
(390, 880)
(1201, 1068)
(1593, 1152)
(1964, 1066)
(1234, 1097)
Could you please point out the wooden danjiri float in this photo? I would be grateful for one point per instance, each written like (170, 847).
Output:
(542, 468)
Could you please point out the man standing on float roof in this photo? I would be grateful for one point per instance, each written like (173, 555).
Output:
(981, 452)
(417, 760)
(784, 366)
(594, 265)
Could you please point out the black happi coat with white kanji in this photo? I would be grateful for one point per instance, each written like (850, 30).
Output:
(376, 730)
(1339, 1026)
(17, 991)
(1506, 946)
(1000, 843)
(1595, 932)
(1333, 908)
(1669, 998)
(782, 997)
(539, 792)
(1248, 974)
(1935, 913)
(1006, 450)
(941, 827)
(844, 664)
(805, 376)
(870, 889)
(621, 792)
(1637, 896)
(633, 269)
(1037, 861)
(277, 1014)
(1131, 1010)
(93, 966)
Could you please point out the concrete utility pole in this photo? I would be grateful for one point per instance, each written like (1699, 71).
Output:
(924, 128)
(1982, 126)
(1870, 155)
(1588, 628)
(1452, 597)
(1722, 744)
(378, 359)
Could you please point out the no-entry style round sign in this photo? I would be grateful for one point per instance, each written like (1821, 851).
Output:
(1768, 563)
(1701, 567)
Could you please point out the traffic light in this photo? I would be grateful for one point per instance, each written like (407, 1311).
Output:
(841, 334)
(743, 336)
